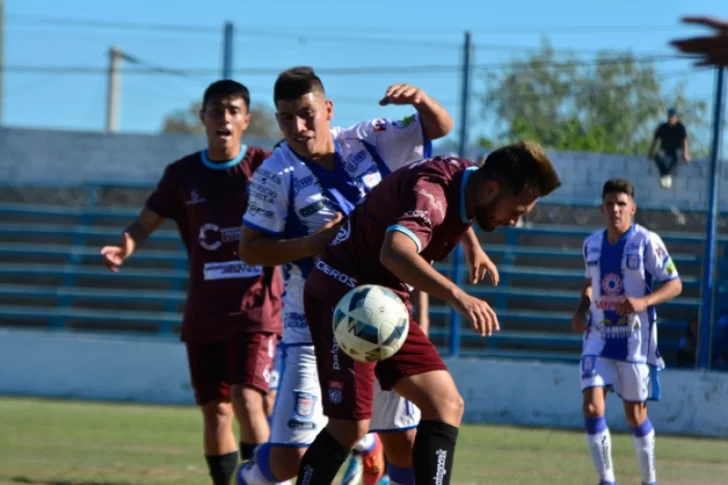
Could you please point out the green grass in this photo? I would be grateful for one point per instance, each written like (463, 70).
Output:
(75, 443)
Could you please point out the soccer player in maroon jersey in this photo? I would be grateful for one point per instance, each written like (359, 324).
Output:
(414, 217)
(232, 317)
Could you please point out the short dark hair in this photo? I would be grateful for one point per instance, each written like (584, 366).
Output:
(522, 165)
(226, 88)
(618, 186)
(296, 82)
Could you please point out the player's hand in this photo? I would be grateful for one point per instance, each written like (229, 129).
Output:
(480, 264)
(333, 225)
(114, 256)
(482, 317)
(712, 50)
(403, 94)
(629, 305)
(578, 323)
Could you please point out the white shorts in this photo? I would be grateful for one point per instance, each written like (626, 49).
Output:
(275, 374)
(298, 416)
(632, 382)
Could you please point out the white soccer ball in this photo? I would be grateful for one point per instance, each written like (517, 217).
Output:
(370, 323)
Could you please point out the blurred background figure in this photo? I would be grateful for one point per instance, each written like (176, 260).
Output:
(673, 142)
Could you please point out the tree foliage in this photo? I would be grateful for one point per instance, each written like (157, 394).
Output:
(611, 104)
(262, 122)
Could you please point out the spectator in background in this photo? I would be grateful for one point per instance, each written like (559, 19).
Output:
(673, 139)
(710, 50)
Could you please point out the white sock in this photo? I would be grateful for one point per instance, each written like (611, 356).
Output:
(250, 474)
(365, 444)
(644, 446)
(600, 447)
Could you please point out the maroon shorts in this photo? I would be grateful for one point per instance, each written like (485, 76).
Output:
(347, 385)
(245, 359)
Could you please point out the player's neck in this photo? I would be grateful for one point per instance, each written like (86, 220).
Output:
(615, 234)
(223, 154)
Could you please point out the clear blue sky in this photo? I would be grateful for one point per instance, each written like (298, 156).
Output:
(274, 35)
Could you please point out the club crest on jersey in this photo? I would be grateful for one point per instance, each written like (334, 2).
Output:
(336, 392)
(633, 261)
(612, 284)
(380, 125)
(195, 198)
(305, 404)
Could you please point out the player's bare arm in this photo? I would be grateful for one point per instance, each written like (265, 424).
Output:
(133, 239)
(666, 292)
(399, 255)
(435, 119)
(578, 320)
(421, 302)
(478, 262)
(259, 248)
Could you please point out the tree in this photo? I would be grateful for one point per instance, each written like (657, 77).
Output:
(262, 122)
(611, 104)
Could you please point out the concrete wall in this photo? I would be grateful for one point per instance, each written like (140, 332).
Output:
(29, 156)
(516, 393)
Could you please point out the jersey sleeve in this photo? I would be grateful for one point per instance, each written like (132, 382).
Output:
(420, 211)
(397, 142)
(165, 200)
(267, 200)
(585, 253)
(658, 262)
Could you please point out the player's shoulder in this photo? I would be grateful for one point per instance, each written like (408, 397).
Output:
(647, 235)
(594, 239)
(446, 167)
(191, 161)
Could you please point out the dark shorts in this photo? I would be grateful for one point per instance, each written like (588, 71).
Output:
(347, 385)
(245, 359)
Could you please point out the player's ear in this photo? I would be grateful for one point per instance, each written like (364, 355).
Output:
(329, 110)
(246, 121)
(201, 114)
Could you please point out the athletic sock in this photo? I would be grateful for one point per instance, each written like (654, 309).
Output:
(322, 461)
(222, 467)
(599, 442)
(644, 445)
(434, 452)
(246, 451)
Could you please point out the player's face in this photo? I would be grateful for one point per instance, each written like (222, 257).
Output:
(225, 120)
(618, 209)
(304, 123)
(498, 208)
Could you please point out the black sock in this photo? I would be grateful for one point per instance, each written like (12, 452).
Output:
(222, 467)
(322, 461)
(246, 451)
(433, 453)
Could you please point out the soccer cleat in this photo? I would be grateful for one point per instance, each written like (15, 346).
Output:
(354, 470)
(373, 463)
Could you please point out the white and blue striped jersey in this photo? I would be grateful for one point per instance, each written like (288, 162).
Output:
(291, 197)
(627, 268)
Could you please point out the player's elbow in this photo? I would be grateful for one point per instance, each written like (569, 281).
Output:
(677, 286)
(387, 255)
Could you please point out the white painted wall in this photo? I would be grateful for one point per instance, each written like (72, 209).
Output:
(82, 366)
(68, 158)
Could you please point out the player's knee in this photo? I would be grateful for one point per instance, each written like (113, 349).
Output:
(347, 432)
(284, 461)
(398, 447)
(269, 403)
(635, 413)
(248, 400)
(592, 409)
(217, 414)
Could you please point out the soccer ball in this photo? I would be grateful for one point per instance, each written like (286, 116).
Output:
(370, 323)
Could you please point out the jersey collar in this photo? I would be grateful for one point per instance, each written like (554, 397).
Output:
(463, 183)
(223, 165)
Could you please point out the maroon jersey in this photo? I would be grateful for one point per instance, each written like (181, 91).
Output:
(425, 201)
(207, 200)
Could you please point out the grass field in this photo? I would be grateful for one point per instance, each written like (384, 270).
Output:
(73, 443)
